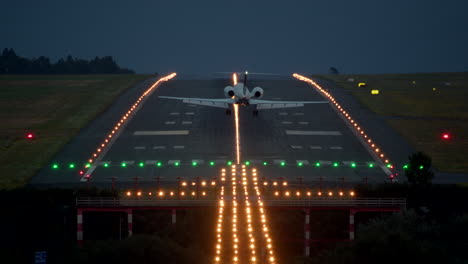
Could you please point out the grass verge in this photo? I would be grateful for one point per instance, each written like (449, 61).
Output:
(420, 107)
(54, 108)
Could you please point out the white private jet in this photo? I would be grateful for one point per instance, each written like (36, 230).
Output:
(239, 94)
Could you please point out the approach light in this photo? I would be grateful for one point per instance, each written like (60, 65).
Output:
(123, 164)
(55, 166)
(371, 165)
(300, 164)
(194, 163)
(421, 167)
(247, 163)
(212, 163)
(159, 164)
(405, 167)
(353, 165)
(317, 164)
(71, 166)
(283, 164)
(335, 164)
(105, 165)
(265, 163)
(229, 163)
(141, 164)
(176, 164)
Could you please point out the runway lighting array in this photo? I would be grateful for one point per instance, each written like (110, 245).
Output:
(125, 117)
(357, 127)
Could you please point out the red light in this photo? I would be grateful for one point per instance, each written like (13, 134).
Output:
(29, 135)
(81, 172)
(445, 136)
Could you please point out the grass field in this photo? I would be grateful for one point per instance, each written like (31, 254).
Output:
(55, 108)
(421, 107)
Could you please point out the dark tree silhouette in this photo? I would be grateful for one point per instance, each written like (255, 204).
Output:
(10, 63)
(419, 171)
(333, 70)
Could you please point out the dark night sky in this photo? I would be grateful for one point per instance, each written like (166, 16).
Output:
(360, 36)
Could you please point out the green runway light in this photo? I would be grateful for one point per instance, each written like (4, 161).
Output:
(71, 165)
(159, 164)
(123, 164)
(353, 165)
(265, 163)
(141, 164)
(55, 166)
(405, 167)
(229, 163)
(212, 163)
(282, 164)
(421, 167)
(194, 163)
(300, 164)
(371, 165)
(87, 165)
(247, 163)
(389, 166)
(335, 164)
(176, 164)
(106, 165)
(317, 164)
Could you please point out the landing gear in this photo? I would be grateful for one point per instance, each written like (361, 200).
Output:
(228, 111)
(255, 112)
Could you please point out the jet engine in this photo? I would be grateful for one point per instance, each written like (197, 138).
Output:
(229, 91)
(257, 92)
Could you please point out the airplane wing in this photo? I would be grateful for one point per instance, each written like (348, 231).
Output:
(266, 104)
(221, 103)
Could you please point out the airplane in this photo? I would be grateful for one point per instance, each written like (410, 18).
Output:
(239, 94)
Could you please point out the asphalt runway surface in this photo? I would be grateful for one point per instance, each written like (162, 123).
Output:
(192, 142)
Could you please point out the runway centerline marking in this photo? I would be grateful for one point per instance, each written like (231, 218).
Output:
(162, 133)
(190, 113)
(186, 122)
(312, 133)
(175, 113)
(159, 147)
(169, 122)
(315, 147)
(303, 123)
(139, 147)
(286, 122)
(336, 148)
(178, 147)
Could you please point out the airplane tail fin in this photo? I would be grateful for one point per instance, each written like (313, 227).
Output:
(245, 82)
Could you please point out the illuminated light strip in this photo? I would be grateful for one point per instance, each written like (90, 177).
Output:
(219, 225)
(236, 115)
(110, 138)
(234, 78)
(358, 129)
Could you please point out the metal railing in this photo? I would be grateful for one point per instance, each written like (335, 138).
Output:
(311, 202)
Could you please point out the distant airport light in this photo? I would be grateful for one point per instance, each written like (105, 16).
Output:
(141, 164)
(335, 164)
(283, 164)
(317, 164)
(362, 84)
(446, 136)
(405, 167)
(375, 92)
(371, 165)
(194, 163)
(353, 165)
(300, 164)
(421, 167)
(265, 163)
(212, 163)
(106, 165)
(81, 172)
(389, 166)
(247, 163)
(87, 165)
(71, 166)
(159, 164)
(123, 164)
(30, 135)
(55, 166)
(176, 164)
(229, 163)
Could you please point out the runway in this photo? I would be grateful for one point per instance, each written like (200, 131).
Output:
(167, 140)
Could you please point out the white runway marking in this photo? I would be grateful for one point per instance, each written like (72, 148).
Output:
(296, 147)
(175, 113)
(336, 148)
(283, 113)
(129, 162)
(190, 113)
(304, 162)
(186, 122)
(299, 114)
(312, 133)
(286, 123)
(303, 123)
(315, 147)
(169, 122)
(325, 162)
(139, 147)
(104, 162)
(159, 147)
(178, 147)
(148, 162)
(172, 162)
(162, 133)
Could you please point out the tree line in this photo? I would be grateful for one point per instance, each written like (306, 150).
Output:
(11, 63)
